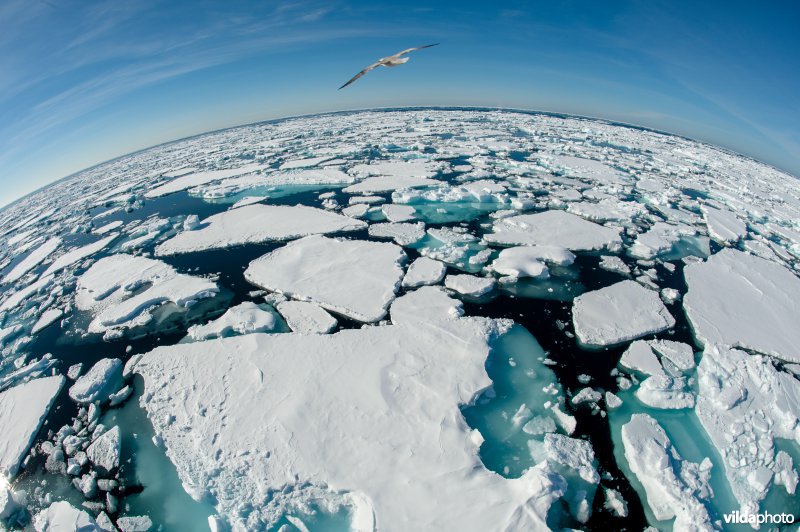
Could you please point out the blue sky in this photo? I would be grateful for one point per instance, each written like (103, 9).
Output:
(85, 81)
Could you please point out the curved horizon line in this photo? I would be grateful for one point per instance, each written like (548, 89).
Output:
(400, 108)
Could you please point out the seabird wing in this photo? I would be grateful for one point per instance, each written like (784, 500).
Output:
(354, 78)
(404, 52)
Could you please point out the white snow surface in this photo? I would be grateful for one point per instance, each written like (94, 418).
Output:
(23, 408)
(109, 290)
(305, 317)
(97, 384)
(258, 223)
(745, 403)
(618, 313)
(244, 318)
(424, 271)
(47, 318)
(739, 300)
(199, 178)
(675, 488)
(355, 278)
(405, 234)
(469, 285)
(32, 260)
(78, 254)
(553, 228)
(61, 516)
(394, 435)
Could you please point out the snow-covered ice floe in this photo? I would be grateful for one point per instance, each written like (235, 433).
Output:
(745, 405)
(305, 317)
(244, 318)
(739, 300)
(395, 438)
(424, 271)
(23, 408)
(675, 487)
(258, 223)
(354, 278)
(618, 313)
(554, 228)
(122, 291)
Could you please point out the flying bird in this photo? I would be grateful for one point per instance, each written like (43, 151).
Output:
(391, 61)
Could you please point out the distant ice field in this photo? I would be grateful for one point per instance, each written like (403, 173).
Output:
(416, 319)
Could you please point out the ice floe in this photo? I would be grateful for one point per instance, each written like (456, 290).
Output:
(469, 285)
(676, 488)
(405, 234)
(723, 225)
(424, 271)
(78, 254)
(258, 223)
(305, 317)
(199, 178)
(244, 318)
(554, 228)
(739, 300)
(23, 408)
(429, 303)
(122, 291)
(33, 259)
(47, 318)
(407, 446)
(355, 278)
(618, 313)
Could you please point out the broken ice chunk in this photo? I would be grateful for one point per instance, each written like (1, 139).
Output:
(23, 408)
(740, 300)
(674, 487)
(305, 317)
(617, 313)
(244, 318)
(469, 285)
(355, 278)
(104, 451)
(63, 516)
(661, 391)
(103, 379)
(555, 228)
(424, 271)
(640, 357)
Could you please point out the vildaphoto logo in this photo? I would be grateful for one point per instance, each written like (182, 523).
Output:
(763, 518)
